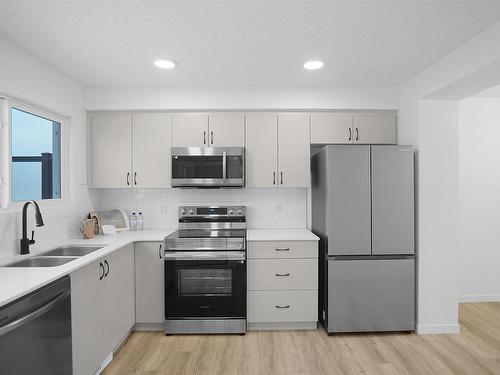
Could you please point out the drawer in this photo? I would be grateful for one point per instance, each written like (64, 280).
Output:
(282, 249)
(282, 306)
(282, 274)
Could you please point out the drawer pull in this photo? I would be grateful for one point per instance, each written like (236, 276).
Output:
(282, 274)
(282, 307)
(287, 249)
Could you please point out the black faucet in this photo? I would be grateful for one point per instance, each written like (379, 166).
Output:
(25, 242)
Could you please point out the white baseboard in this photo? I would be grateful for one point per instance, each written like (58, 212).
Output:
(279, 326)
(105, 363)
(149, 327)
(479, 298)
(433, 329)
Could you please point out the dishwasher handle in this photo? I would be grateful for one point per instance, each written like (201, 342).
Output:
(34, 314)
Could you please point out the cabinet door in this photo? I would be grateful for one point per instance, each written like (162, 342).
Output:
(392, 200)
(261, 150)
(111, 150)
(118, 303)
(149, 286)
(294, 150)
(152, 142)
(226, 130)
(87, 319)
(190, 130)
(373, 128)
(348, 195)
(331, 128)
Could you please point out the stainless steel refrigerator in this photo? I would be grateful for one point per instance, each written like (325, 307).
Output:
(363, 212)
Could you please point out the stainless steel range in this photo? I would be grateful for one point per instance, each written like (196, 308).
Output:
(205, 271)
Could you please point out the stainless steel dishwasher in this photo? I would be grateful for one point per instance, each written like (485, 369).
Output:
(35, 332)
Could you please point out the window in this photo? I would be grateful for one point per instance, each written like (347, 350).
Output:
(35, 156)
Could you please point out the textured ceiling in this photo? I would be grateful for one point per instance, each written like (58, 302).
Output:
(242, 43)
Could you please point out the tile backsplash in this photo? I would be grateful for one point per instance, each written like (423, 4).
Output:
(266, 208)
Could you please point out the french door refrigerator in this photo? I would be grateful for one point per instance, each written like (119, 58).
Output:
(363, 212)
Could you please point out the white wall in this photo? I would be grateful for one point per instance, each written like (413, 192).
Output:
(479, 200)
(432, 126)
(30, 80)
(178, 98)
(266, 208)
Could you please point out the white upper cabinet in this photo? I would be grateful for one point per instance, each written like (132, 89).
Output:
(331, 128)
(374, 128)
(364, 128)
(278, 149)
(261, 151)
(152, 141)
(190, 130)
(226, 130)
(294, 150)
(111, 150)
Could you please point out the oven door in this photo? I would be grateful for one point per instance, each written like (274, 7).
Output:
(205, 285)
(208, 167)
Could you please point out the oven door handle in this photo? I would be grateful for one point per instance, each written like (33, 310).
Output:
(204, 255)
(224, 165)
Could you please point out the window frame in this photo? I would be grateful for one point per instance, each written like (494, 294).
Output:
(6, 202)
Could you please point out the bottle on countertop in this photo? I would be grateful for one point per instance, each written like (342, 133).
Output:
(140, 221)
(133, 222)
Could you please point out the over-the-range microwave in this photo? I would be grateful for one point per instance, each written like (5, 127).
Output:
(208, 167)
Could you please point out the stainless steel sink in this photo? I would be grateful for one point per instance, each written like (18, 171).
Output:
(42, 262)
(71, 251)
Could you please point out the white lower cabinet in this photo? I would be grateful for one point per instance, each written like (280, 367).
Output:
(282, 281)
(149, 284)
(102, 308)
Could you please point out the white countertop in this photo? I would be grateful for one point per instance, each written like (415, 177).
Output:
(16, 281)
(300, 234)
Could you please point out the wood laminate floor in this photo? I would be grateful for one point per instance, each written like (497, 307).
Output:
(475, 351)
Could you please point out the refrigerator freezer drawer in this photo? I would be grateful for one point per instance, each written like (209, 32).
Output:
(371, 295)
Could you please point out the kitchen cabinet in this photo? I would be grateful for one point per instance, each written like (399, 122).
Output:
(282, 282)
(278, 149)
(152, 140)
(226, 130)
(190, 130)
(374, 128)
(126, 150)
(360, 128)
(149, 284)
(111, 150)
(204, 130)
(102, 308)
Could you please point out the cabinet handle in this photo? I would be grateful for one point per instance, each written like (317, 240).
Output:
(282, 307)
(282, 274)
(102, 269)
(204, 138)
(284, 249)
(107, 272)
(159, 251)
(212, 137)
(350, 134)
(281, 173)
(274, 178)
(135, 178)
(128, 178)
(357, 134)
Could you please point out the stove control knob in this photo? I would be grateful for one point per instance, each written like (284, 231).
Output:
(192, 211)
(238, 212)
(230, 211)
(184, 211)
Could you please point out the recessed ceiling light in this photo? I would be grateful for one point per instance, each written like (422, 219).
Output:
(313, 65)
(164, 64)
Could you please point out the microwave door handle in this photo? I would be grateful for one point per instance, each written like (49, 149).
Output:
(224, 164)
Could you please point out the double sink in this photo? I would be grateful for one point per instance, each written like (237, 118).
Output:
(56, 257)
